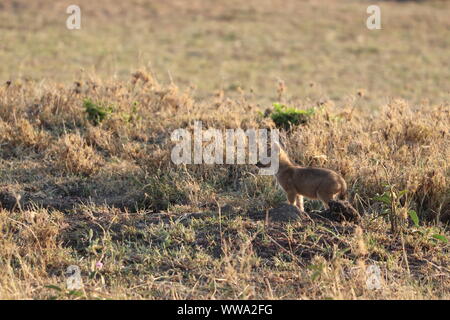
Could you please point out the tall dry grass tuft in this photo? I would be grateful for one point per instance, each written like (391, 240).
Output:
(73, 155)
(21, 135)
(31, 249)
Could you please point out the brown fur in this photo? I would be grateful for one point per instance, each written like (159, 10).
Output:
(313, 183)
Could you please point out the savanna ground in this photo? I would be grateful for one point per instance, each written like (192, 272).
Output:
(85, 171)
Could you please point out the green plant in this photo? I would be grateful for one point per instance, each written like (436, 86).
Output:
(395, 205)
(285, 117)
(96, 112)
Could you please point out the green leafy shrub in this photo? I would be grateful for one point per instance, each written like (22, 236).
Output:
(285, 117)
(95, 111)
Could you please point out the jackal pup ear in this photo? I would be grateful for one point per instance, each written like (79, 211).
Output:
(270, 150)
(276, 147)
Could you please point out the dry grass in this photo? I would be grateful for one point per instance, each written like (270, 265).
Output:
(85, 170)
(79, 193)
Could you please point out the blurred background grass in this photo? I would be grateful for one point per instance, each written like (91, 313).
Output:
(320, 49)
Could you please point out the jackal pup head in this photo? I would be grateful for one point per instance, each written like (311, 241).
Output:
(269, 161)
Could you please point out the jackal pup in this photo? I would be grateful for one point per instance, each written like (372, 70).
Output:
(313, 183)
